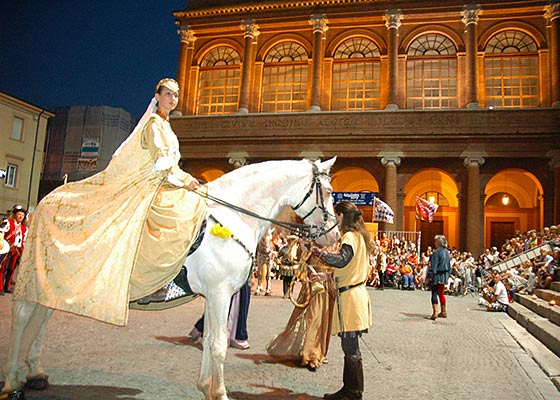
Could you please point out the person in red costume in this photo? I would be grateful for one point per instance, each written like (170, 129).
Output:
(15, 232)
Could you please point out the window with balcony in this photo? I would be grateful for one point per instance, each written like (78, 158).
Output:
(511, 66)
(219, 82)
(284, 86)
(431, 73)
(356, 76)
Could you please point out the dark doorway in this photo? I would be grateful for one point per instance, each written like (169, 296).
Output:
(429, 230)
(499, 232)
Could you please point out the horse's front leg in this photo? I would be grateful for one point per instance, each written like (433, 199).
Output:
(21, 314)
(36, 378)
(211, 381)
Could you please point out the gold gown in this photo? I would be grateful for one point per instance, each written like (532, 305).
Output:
(96, 244)
(307, 334)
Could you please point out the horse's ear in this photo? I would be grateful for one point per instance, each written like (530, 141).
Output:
(326, 166)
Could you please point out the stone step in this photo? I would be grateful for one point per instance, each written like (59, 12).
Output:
(540, 307)
(555, 286)
(541, 328)
(548, 294)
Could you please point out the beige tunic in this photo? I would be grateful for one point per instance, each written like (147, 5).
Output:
(355, 306)
(97, 243)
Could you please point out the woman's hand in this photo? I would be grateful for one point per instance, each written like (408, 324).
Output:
(193, 185)
(318, 277)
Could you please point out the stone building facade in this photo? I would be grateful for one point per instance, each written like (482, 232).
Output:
(446, 100)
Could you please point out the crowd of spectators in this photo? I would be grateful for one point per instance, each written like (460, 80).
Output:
(396, 263)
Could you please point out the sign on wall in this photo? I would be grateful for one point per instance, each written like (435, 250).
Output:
(358, 198)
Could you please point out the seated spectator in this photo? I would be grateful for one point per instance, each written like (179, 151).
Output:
(407, 277)
(496, 297)
(390, 271)
(546, 271)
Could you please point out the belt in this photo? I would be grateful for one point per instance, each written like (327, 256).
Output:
(345, 288)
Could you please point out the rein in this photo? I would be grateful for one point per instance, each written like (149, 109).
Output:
(303, 231)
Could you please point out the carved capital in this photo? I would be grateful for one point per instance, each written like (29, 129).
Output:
(554, 162)
(552, 11)
(187, 35)
(238, 162)
(250, 28)
(319, 22)
(470, 14)
(393, 18)
(391, 161)
(473, 161)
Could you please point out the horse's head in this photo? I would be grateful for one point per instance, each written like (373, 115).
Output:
(316, 208)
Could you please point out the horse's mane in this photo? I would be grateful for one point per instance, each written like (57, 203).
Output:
(259, 171)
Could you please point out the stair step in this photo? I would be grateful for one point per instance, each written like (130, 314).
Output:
(548, 294)
(555, 286)
(540, 306)
(543, 329)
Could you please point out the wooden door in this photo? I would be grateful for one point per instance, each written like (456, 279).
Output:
(499, 232)
(429, 230)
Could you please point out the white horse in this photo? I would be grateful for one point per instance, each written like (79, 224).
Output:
(221, 265)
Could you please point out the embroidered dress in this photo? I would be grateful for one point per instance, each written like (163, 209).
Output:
(96, 244)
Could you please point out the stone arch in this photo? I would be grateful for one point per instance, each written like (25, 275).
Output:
(289, 37)
(373, 36)
(201, 53)
(439, 29)
(529, 29)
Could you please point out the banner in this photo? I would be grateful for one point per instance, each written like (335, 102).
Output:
(382, 211)
(425, 210)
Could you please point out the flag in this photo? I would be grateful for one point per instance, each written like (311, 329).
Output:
(425, 210)
(382, 211)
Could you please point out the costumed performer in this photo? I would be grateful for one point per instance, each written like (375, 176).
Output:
(307, 334)
(121, 234)
(352, 310)
(15, 233)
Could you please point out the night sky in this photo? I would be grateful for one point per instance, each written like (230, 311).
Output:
(87, 52)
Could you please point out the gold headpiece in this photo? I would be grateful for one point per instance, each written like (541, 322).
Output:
(168, 83)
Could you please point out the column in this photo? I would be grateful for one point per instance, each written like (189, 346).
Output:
(474, 220)
(555, 165)
(319, 22)
(392, 22)
(552, 14)
(251, 31)
(184, 65)
(470, 19)
(391, 164)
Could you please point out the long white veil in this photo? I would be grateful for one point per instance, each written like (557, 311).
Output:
(149, 111)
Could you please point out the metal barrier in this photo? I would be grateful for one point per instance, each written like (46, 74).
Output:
(408, 236)
(520, 258)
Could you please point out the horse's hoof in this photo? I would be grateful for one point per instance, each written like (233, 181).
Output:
(13, 395)
(37, 383)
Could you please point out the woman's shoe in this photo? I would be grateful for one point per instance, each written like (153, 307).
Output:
(239, 344)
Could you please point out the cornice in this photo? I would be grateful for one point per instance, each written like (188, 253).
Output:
(274, 6)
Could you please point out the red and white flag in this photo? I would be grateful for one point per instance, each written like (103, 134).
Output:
(425, 210)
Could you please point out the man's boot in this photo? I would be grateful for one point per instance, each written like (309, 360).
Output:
(443, 313)
(434, 312)
(353, 379)
(354, 382)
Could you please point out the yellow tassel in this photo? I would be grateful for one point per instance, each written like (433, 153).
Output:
(220, 231)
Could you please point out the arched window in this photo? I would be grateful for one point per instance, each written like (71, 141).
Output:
(511, 70)
(356, 75)
(218, 83)
(435, 198)
(431, 78)
(284, 87)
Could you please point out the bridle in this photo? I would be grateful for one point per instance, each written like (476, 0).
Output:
(304, 231)
(315, 231)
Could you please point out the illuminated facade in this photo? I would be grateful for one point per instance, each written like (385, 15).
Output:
(440, 99)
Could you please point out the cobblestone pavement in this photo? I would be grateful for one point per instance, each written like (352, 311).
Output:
(467, 356)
